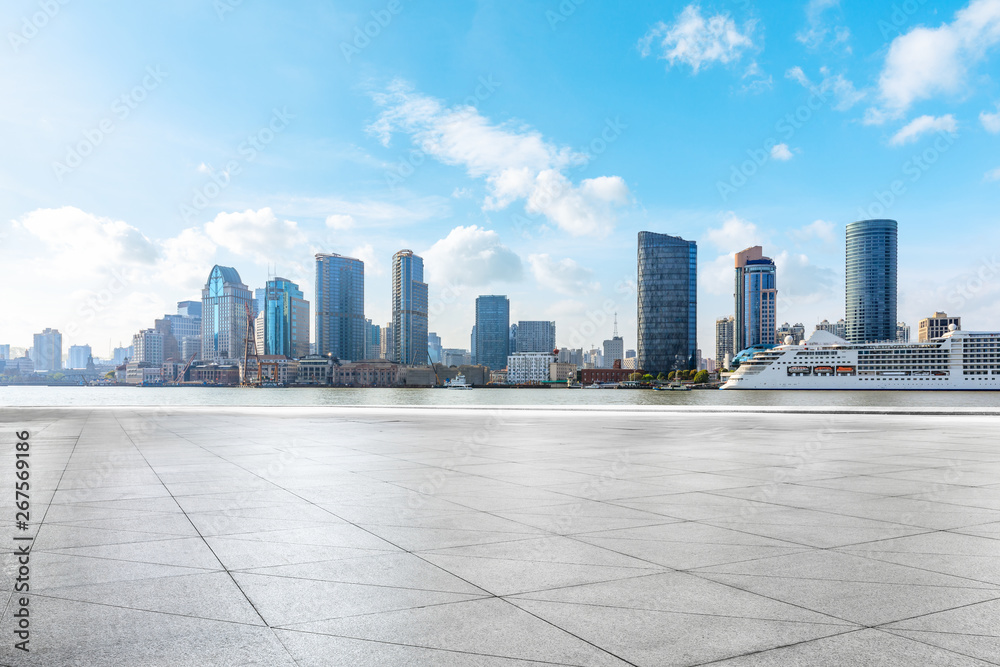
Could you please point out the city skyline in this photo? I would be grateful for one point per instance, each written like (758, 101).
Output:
(250, 170)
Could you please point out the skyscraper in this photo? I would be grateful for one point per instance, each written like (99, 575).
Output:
(614, 348)
(535, 336)
(491, 342)
(667, 302)
(4, 351)
(373, 341)
(409, 309)
(435, 351)
(871, 281)
(725, 328)
(340, 306)
(286, 319)
(148, 347)
(46, 353)
(78, 356)
(756, 298)
(224, 303)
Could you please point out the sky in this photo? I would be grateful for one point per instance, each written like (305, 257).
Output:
(517, 146)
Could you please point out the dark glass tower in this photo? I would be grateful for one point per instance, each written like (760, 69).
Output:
(668, 303)
(492, 332)
(340, 307)
(286, 317)
(871, 281)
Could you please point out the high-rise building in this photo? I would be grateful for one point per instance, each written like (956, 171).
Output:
(340, 306)
(388, 348)
(456, 357)
(285, 327)
(871, 281)
(472, 349)
(535, 336)
(902, 332)
(184, 330)
(667, 303)
(189, 308)
(725, 339)
(47, 351)
(529, 367)
(260, 332)
(409, 309)
(435, 352)
(78, 356)
(936, 326)
(224, 303)
(756, 298)
(838, 328)
(513, 338)
(5, 351)
(373, 341)
(492, 332)
(122, 353)
(797, 331)
(148, 347)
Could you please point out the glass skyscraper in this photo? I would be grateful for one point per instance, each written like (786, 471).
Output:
(535, 336)
(756, 299)
(286, 319)
(340, 307)
(668, 303)
(409, 309)
(224, 303)
(871, 281)
(492, 332)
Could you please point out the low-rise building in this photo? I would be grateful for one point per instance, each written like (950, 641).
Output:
(314, 370)
(224, 373)
(373, 373)
(936, 326)
(142, 372)
(606, 375)
(529, 367)
(562, 372)
(274, 369)
(498, 376)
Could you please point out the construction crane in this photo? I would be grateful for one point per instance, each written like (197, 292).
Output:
(180, 376)
(250, 352)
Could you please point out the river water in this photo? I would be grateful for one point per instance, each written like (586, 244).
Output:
(233, 396)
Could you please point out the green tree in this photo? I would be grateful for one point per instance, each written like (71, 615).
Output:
(647, 378)
(701, 377)
(671, 375)
(57, 376)
(661, 377)
(635, 377)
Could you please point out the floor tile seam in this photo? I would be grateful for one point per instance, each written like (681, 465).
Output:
(936, 646)
(932, 613)
(152, 611)
(426, 648)
(485, 593)
(676, 612)
(438, 552)
(869, 556)
(775, 648)
(985, 587)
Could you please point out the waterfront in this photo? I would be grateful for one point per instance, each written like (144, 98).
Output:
(454, 537)
(26, 396)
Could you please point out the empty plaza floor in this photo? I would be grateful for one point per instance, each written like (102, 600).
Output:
(507, 538)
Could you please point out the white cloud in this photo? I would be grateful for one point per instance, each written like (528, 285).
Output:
(992, 175)
(818, 229)
(698, 41)
(991, 121)
(340, 223)
(734, 235)
(471, 256)
(373, 262)
(781, 152)
(70, 231)
(817, 28)
(921, 126)
(564, 276)
(258, 234)
(842, 90)
(516, 162)
(756, 80)
(926, 62)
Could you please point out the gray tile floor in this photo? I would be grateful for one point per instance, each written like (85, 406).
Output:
(450, 537)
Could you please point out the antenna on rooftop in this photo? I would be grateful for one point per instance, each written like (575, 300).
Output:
(616, 326)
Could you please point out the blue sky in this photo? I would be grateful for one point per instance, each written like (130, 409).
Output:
(518, 146)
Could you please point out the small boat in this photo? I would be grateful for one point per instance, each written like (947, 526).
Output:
(592, 386)
(458, 383)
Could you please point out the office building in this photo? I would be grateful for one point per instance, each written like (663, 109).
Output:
(373, 341)
(147, 346)
(189, 308)
(78, 356)
(838, 328)
(260, 333)
(472, 348)
(434, 349)
(512, 345)
(667, 302)
(46, 353)
(5, 351)
(535, 336)
(797, 331)
(409, 309)
(225, 301)
(340, 307)
(725, 339)
(529, 367)
(756, 298)
(285, 324)
(902, 332)
(456, 357)
(871, 281)
(936, 326)
(388, 349)
(492, 332)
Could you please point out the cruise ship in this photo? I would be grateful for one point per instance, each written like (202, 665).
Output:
(959, 360)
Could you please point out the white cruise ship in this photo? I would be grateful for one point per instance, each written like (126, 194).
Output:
(959, 360)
